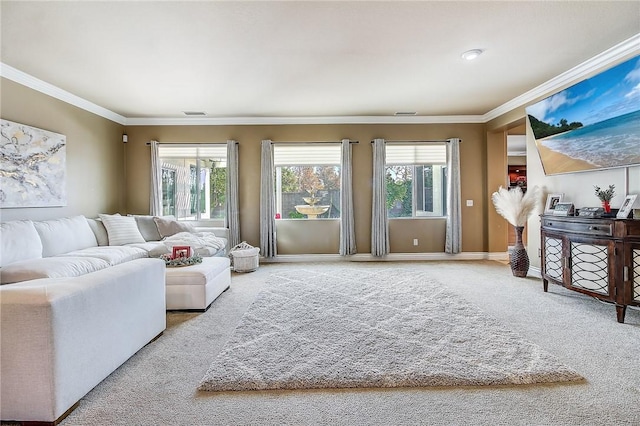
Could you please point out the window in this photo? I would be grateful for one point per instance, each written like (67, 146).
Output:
(307, 180)
(194, 179)
(416, 177)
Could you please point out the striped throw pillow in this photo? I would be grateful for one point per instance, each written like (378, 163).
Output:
(121, 229)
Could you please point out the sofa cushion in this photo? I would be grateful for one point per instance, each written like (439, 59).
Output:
(198, 274)
(168, 227)
(64, 235)
(153, 248)
(19, 240)
(113, 255)
(99, 230)
(50, 267)
(121, 229)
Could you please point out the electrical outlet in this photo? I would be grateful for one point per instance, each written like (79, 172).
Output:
(415, 241)
(469, 203)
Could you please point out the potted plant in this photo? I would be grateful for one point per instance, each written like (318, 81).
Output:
(516, 208)
(605, 196)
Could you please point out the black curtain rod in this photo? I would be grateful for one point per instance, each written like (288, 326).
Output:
(190, 143)
(434, 141)
(306, 142)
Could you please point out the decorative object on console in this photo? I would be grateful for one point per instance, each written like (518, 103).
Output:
(516, 208)
(591, 212)
(34, 161)
(563, 209)
(627, 206)
(605, 196)
(552, 200)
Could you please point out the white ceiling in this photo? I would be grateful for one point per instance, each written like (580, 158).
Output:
(156, 59)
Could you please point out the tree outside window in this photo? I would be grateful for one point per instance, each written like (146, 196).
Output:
(306, 174)
(416, 180)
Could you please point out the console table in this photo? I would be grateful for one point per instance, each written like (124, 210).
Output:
(595, 256)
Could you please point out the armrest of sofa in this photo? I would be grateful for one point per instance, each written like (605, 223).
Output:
(61, 336)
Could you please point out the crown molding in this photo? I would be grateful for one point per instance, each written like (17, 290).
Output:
(268, 121)
(36, 84)
(622, 50)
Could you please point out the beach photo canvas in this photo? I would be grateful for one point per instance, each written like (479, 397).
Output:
(594, 124)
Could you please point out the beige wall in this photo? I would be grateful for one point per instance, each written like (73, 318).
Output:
(94, 158)
(497, 226)
(576, 187)
(291, 237)
(105, 175)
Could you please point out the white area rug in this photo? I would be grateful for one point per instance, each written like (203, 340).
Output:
(383, 327)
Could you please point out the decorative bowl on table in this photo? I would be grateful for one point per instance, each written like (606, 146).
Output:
(174, 262)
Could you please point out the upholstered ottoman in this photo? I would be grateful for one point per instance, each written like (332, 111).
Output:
(195, 287)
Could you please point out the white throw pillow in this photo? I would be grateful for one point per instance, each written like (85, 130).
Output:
(19, 240)
(121, 229)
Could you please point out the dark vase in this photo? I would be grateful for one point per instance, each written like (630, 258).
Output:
(519, 256)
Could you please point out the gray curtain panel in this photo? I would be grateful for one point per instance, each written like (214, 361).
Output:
(155, 196)
(232, 218)
(347, 231)
(379, 223)
(267, 202)
(453, 241)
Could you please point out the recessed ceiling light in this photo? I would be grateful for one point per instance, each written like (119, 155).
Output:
(470, 55)
(194, 113)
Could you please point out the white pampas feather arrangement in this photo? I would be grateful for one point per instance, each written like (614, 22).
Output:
(515, 206)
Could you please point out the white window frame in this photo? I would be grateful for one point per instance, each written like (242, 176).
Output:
(417, 155)
(197, 153)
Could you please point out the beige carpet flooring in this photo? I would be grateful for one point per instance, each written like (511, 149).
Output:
(371, 325)
(158, 385)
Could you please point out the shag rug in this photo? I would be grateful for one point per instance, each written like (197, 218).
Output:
(387, 327)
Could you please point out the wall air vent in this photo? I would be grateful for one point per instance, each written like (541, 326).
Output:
(194, 113)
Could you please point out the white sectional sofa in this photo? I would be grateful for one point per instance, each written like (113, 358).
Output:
(72, 309)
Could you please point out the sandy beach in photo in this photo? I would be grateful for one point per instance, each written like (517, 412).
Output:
(555, 162)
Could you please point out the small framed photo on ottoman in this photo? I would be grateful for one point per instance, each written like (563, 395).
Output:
(181, 251)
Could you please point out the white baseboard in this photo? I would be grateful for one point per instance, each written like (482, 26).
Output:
(392, 257)
(534, 271)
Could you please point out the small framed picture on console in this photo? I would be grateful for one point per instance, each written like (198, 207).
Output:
(552, 201)
(627, 206)
(563, 209)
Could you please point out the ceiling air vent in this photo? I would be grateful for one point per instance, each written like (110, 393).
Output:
(194, 113)
(405, 113)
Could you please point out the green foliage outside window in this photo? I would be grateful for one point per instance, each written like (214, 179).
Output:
(218, 183)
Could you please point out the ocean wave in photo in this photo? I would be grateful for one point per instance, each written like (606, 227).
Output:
(610, 143)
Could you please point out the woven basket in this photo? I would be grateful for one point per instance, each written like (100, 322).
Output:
(244, 257)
